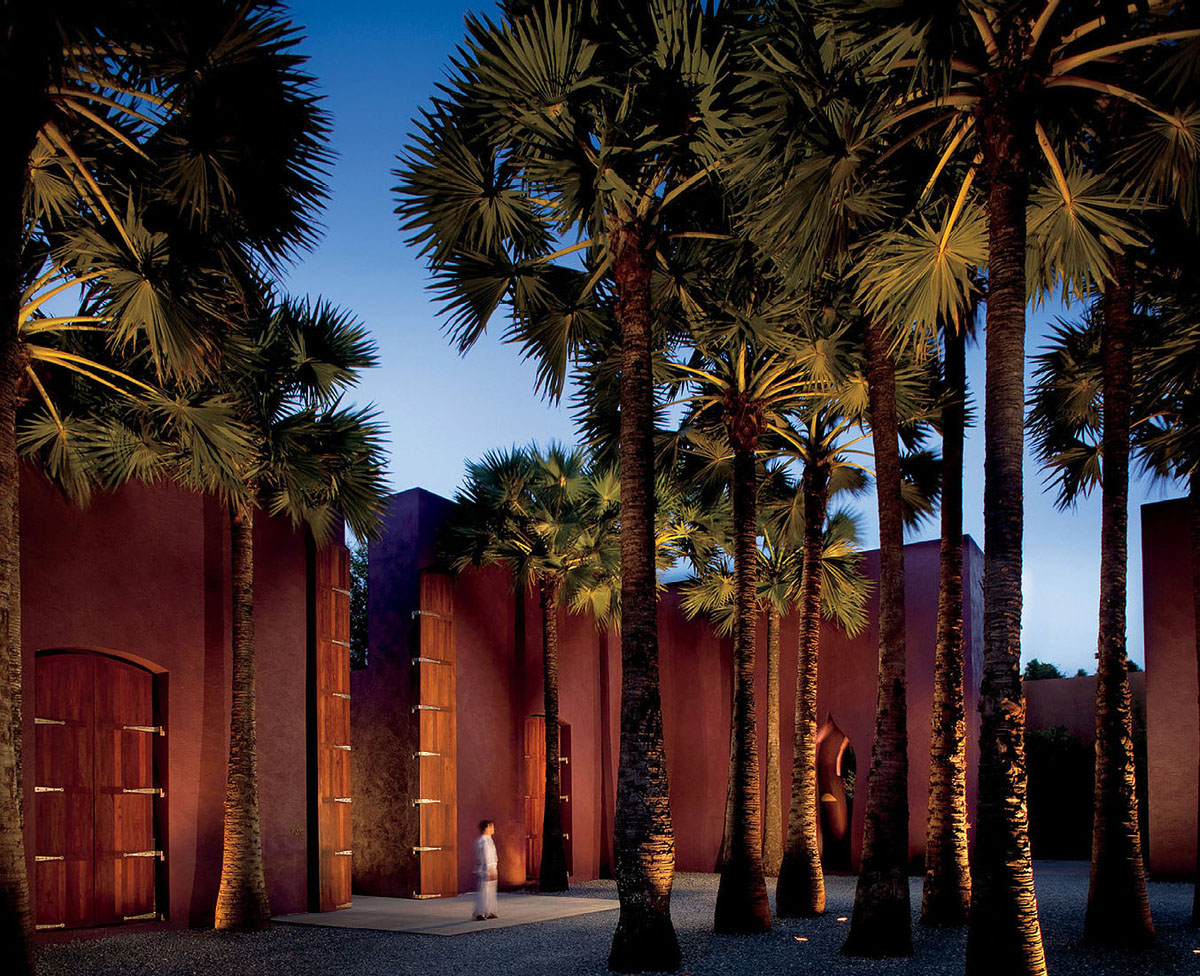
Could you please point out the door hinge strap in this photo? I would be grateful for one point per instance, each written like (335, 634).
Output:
(343, 853)
(417, 803)
(50, 857)
(423, 753)
(419, 896)
(345, 904)
(421, 850)
(425, 613)
(338, 589)
(427, 708)
(158, 854)
(152, 729)
(336, 746)
(428, 660)
(343, 799)
(47, 928)
(145, 790)
(341, 694)
(49, 789)
(140, 918)
(49, 721)
(339, 643)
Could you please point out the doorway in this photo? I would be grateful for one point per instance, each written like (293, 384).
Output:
(97, 791)
(535, 791)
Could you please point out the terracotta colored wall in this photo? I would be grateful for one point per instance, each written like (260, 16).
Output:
(697, 678)
(145, 574)
(1071, 703)
(498, 637)
(1171, 711)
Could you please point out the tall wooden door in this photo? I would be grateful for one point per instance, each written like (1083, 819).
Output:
(437, 741)
(535, 791)
(333, 727)
(96, 788)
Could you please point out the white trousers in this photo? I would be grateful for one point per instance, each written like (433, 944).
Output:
(485, 897)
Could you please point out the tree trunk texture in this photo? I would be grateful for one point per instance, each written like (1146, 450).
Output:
(800, 891)
(1194, 505)
(552, 873)
(24, 75)
(947, 893)
(643, 841)
(881, 923)
(1003, 935)
(1118, 909)
(772, 853)
(742, 905)
(242, 896)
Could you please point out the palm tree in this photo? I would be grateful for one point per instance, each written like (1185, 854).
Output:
(743, 378)
(596, 120)
(779, 586)
(106, 103)
(317, 463)
(946, 895)
(553, 523)
(1003, 85)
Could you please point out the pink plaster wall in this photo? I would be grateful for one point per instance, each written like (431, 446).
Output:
(1071, 703)
(145, 573)
(498, 645)
(1172, 745)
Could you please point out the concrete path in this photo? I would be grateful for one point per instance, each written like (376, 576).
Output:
(450, 916)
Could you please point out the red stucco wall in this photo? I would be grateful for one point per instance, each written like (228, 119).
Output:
(498, 646)
(145, 574)
(1171, 713)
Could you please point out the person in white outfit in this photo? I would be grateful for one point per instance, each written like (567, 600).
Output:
(485, 871)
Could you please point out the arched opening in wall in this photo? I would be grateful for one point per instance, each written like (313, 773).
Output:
(535, 791)
(836, 778)
(99, 794)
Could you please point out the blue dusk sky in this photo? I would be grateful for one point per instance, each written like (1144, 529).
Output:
(377, 63)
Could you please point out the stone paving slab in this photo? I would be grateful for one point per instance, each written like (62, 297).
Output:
(449, 916)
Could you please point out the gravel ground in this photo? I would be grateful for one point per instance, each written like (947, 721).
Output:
(580, 944)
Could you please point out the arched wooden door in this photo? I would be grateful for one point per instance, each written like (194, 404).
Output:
(95, 855)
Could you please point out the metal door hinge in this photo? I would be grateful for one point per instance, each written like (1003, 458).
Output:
(158, 854)
(152, 729)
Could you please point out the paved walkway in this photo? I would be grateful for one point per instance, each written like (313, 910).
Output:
(450, 916)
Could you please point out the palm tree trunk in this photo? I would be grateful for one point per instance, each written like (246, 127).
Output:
(242, 896)
(742, 906)
(1194, 507)
(947, 892)
(1118, 910)
(800, 892)
(16, 914)
(881, 922)
(1003, 934)
(643, 841)
(24, 61)
(772, 853)
(552, 874)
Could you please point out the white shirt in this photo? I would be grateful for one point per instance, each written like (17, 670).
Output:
(485, 855)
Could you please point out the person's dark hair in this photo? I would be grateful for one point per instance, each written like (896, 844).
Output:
(484, 824)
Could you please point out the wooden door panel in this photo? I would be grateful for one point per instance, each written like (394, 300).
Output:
(124, 821)
(63, 813)
(535, 791)
(332, 695)
(437, 738)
